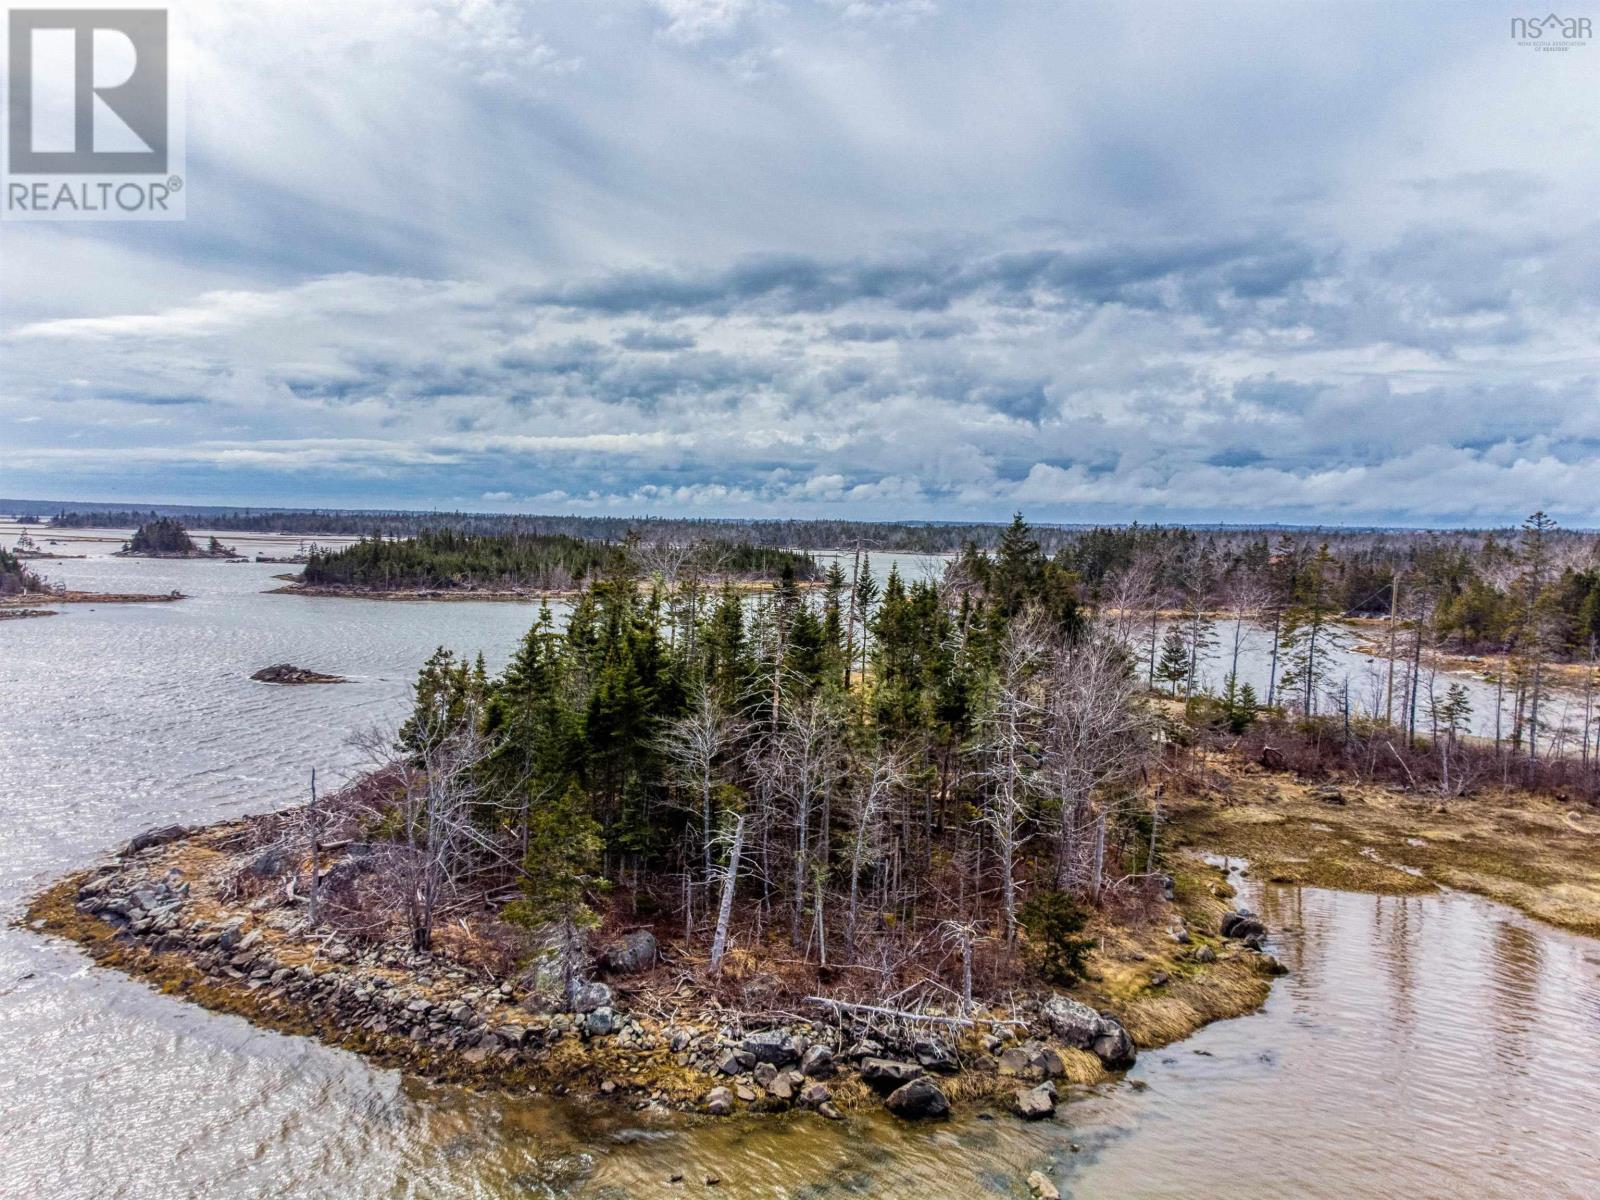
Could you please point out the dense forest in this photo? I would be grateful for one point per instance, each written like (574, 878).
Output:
(857, 771)
(885, 777)
(164, 535)
(446, 559)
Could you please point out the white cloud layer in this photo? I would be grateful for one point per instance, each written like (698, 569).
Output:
(889, 258)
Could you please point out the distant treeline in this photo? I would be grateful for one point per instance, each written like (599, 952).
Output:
(441, 559)
(1100, 547)
(908, 538)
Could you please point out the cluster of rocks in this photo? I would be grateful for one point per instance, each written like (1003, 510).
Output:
(391, 999)
(779, 1068)
(1244, 926)
(383, 991)
(773, 1067)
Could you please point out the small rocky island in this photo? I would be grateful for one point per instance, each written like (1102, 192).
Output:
(830, 848)
(166, 537)
(218, 915)
(288, 674)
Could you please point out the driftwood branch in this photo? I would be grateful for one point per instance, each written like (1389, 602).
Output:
(841, 1007)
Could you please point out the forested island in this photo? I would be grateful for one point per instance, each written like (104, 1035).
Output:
(166, 537)
(21, 587)
(924, 841)
(17, 584)
(445, 562)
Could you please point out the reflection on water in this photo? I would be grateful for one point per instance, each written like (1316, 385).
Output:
(1433, 1046)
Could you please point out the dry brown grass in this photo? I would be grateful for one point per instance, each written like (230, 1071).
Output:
(1527, 850)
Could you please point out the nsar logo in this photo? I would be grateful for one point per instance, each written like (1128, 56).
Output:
(1551, 32)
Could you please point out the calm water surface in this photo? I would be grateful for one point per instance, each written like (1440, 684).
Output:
(1422, 1047)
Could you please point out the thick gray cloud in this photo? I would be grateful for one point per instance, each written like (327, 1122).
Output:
(898, 258)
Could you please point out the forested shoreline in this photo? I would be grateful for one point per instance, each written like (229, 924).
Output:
(448, 560)
(880, 766)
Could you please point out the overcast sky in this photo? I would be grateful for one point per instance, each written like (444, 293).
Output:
(1324, 262)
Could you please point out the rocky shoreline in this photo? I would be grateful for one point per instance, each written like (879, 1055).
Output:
(161, 912)
(290, 675)
(26, 598)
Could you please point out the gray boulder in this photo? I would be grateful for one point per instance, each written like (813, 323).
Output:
(774, 1046)
(935, 1056)
(719, 1102)
(1032, 1060)
(786, 1085)
(636, 951)
(585, 997)
(918, 1099)
(600, 1022)
(885, 1074)
(155, 837)
(1243, 925)
(271, 863)
(1079, 1026)
(1036, 1103)
(1114, 1048)
(817, 1062)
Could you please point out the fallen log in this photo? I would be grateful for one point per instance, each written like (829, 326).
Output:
(901, 1014)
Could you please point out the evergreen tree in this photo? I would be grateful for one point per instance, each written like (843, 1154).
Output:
(561, 870)
(1310, 631)
(1173, 668)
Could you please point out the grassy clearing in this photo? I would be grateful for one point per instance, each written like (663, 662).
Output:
(1535, 853)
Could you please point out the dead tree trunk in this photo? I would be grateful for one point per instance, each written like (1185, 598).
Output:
(730, 879)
